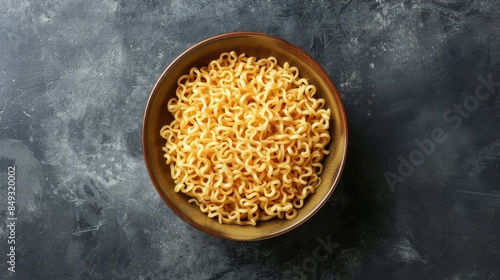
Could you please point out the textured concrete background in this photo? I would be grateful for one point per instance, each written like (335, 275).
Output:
(74, 80)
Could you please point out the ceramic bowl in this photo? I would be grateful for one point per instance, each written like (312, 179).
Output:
(156, 115)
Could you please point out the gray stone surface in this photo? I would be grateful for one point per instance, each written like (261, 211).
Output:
(74, 80)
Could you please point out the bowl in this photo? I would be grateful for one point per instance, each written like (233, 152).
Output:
(156, 115)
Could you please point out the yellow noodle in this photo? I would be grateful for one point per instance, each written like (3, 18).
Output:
(247, 139)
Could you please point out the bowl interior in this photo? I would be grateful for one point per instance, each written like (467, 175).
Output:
(157, 115)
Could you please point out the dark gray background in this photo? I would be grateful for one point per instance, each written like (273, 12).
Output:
(74, 80)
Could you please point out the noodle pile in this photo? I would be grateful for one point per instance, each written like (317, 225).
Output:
(247, 139)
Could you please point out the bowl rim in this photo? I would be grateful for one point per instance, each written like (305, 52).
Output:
(316, 66)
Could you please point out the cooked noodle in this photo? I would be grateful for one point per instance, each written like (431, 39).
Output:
(247, 139)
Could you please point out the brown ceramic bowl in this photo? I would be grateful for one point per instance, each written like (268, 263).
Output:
(157, 115)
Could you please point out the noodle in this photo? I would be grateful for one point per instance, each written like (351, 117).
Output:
(247, 139)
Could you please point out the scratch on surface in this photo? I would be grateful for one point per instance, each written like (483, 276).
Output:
(76, 200)
(488, 202)
(447, 11)
(406, 251)
(88, 229)
(109, 183)
(484, 156)
(24, 112)
(54, 188)
(3, 108)
(92, 269)
(26, 90)
(49, 163)
(491, 195)
(73, 197)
